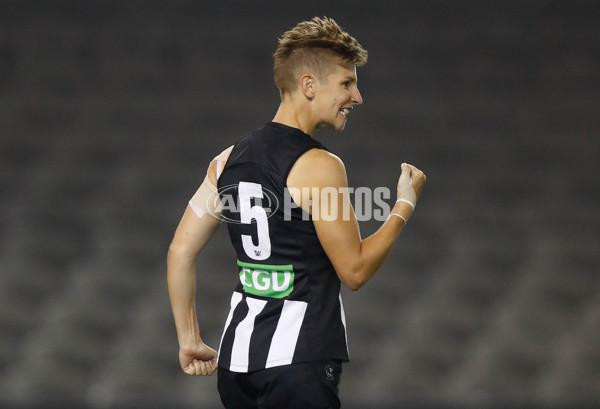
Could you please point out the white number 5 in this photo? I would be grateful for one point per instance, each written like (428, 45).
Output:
(262, 250)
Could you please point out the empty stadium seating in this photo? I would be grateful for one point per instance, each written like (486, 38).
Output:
(110, 112)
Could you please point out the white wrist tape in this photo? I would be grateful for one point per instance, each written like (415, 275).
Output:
(207, 200)
(400, 216)
(407, 201)
(406, 193)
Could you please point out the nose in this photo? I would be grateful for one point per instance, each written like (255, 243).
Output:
(356, 97)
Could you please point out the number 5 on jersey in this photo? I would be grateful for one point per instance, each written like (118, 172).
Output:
(262, 250)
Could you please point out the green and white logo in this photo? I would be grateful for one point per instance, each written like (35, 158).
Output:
(267, 280)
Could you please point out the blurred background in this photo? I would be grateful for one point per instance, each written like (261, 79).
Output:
(111, 110)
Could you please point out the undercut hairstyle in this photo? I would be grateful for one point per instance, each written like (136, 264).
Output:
(315, 45)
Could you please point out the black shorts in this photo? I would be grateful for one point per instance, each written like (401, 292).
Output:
(310, 385)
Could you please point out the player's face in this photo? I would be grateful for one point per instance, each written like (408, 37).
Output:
(335, 97)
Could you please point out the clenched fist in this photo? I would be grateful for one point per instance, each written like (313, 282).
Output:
(410, 184)
(198, 360)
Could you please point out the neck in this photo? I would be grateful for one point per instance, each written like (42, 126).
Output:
(290, 114)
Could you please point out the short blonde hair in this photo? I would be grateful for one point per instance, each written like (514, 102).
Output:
(313, 44)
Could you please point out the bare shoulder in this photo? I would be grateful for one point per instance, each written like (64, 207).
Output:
(319, 161)
(321, 156)
(218, 163)
(317, 168)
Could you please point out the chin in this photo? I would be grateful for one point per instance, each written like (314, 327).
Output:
(335, 125)
(340, 126)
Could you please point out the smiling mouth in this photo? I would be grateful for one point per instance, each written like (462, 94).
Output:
(345, 111)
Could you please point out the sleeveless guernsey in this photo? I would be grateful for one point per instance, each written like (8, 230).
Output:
(287, 306)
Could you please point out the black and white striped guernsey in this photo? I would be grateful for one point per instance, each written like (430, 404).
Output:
(286, 307)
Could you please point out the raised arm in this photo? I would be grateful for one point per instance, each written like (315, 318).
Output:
(354, 259)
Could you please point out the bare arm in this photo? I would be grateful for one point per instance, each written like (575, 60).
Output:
(193, 232)
(355, 260)
(192, 235)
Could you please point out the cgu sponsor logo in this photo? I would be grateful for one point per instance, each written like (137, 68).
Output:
(264, 280)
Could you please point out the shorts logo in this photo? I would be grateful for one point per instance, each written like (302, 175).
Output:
(329, 372)
(266, 280)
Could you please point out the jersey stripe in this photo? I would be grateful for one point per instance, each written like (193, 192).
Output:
(235, 300)
(285, 338)
(265, 325)
(240, 351)
(343, 317)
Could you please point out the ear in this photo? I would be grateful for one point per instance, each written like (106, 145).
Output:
(307, 85)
